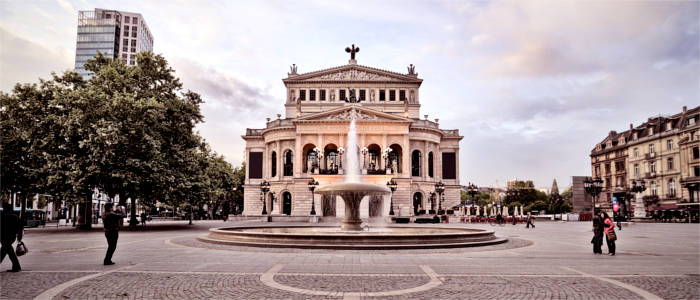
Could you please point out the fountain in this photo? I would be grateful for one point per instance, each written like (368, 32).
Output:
(351, 234)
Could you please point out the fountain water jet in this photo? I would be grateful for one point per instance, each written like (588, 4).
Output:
(352, 191)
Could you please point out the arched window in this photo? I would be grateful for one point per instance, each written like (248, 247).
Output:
(395, 158)
(274, 164)
(430, 164)
(288, 163)
(415, 163)
(311, 160)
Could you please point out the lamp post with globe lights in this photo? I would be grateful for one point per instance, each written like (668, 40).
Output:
(439, 189)
(264, 188)
(312, 186)
(593, 187)
(391, 184)
(637, 188)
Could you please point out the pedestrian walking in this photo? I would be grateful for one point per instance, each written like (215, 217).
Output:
(597, 240)
(619, 221)
(609, 230)
(111, 221)
(530, 221)
(10, 229)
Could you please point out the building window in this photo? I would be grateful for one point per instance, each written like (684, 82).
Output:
(392, 95)
(322, 95)
(133, 43)
(651, 131)
(312, 95)
(597, 171)
(651, 148)
(618, 181)
(654, 190)
(652, 167)
(302, 95)
(415, 163)
(449, 165)
(127, 19)
(341, 95)
(696, 171)
(669, 144)
(288, 163)
(696, 152)
(382, 95)
(362, 95)
(125, 49)
(669, 125)
(135, 20)
(608, 183)
(669, 164)
(255, 161)
(133, 49)
(124, 56)
(636, 170)
(636, 152)
(126, 42)
(134, 28)
(402, 95)
(691, 121)
(273, 164)
(607, 169)
(430, 165)
(133, 34)
(672, 188)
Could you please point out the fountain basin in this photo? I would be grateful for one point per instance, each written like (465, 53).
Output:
(325, 237)
(352, 194)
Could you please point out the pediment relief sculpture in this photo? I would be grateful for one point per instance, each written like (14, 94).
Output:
(353, 75)
(351, 114)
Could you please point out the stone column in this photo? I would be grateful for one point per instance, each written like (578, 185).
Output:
(406, 157)
(298, 157)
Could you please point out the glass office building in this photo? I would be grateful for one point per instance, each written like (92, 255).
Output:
(115, 34)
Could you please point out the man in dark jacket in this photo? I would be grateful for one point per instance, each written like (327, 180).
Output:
(111, 221)
(11, 229)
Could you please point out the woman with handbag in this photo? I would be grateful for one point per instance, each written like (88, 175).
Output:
(610, 235)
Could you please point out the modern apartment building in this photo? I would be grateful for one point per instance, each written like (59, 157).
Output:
(116, 34)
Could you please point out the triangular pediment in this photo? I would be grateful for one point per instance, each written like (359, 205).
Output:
(353, 73)
(359, 113)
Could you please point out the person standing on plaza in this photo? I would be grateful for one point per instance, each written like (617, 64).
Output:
(530, 221)
(111, 221)
(597, 240)
(11, 229)
(609, 229)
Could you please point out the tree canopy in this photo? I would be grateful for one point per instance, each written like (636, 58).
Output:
(128, 131)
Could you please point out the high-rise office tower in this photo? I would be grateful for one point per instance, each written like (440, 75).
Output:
(116, 34)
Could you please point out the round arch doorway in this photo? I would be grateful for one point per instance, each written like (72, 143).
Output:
(287, 203)
(417, 202)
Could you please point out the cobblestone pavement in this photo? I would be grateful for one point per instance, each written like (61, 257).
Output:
(553, 261)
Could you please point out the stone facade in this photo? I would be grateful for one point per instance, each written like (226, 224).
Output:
(311, 141)
(659, 152)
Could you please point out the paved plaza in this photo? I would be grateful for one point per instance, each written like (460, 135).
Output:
(552, 261)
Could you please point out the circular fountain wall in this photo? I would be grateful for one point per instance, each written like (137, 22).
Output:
(328, 237)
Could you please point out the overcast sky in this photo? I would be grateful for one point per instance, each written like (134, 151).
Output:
(531, 85)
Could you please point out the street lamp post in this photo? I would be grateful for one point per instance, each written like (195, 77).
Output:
(439, 189)
(472, 190)
(593, 187)
(264, 188)
(392, 185)
(432, 201)
(312, 186)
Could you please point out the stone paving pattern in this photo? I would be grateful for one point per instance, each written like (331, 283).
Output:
(552, 261)
(26, 285)
(352, 283)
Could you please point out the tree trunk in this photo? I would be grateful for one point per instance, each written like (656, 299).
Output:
(191, 213)
(86, 211)
(23, 207)
(74, 206)
(132, 220)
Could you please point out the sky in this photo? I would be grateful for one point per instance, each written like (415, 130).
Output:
(531, 85)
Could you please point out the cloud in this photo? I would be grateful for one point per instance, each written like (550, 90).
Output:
(23, 61)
